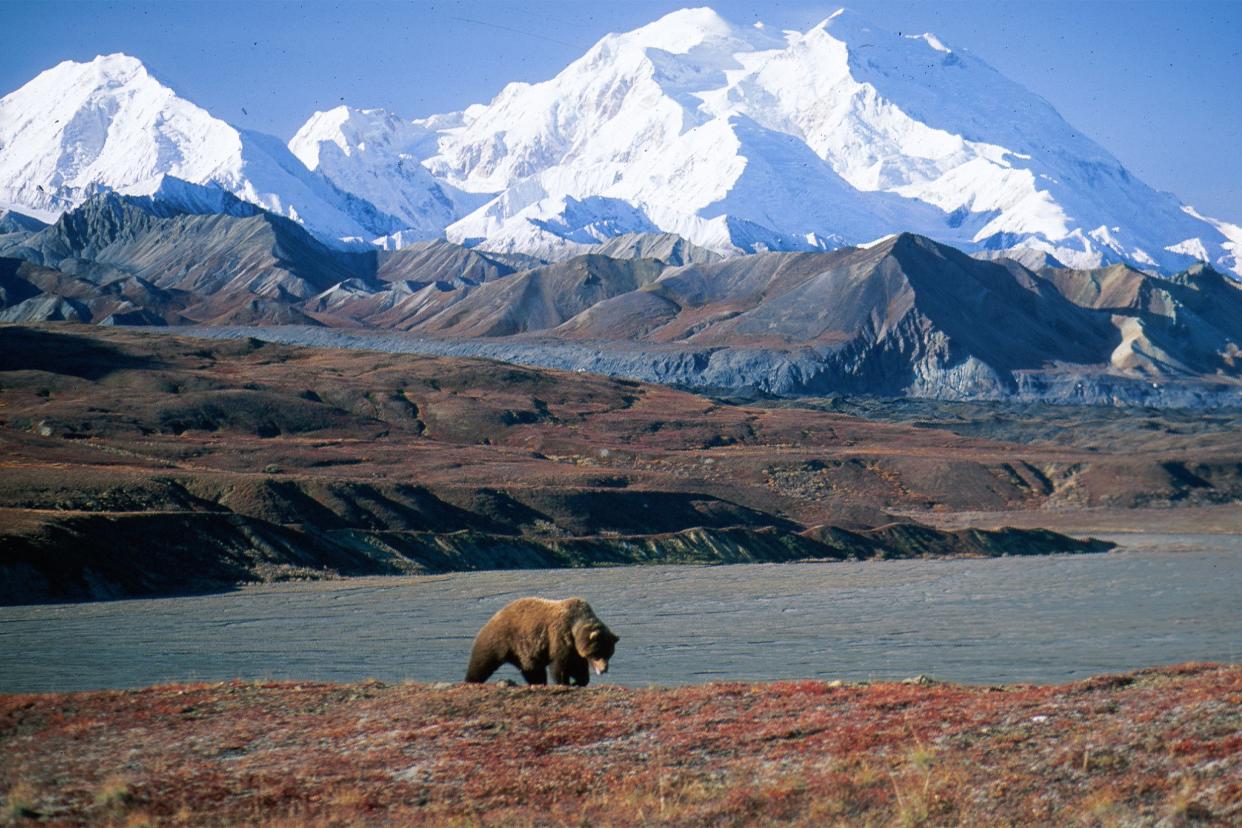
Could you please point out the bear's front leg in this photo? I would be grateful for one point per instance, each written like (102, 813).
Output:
(571, 671)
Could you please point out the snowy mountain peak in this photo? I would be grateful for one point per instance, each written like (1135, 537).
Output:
(844, 132)
(118, 66)
(680, 31)
(852, 27)
(350, 130)
(82, 128)
(104, 124)
(101, 71)
(322, 126)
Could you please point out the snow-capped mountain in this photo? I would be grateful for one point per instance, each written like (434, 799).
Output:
(81, 128)
(839, 134)
(735, 138)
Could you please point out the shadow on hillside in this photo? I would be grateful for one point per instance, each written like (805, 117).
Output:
(34, 349)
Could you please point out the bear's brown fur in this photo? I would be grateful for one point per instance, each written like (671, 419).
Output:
(534, 633)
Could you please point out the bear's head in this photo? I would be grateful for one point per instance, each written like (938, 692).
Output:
(596, 643)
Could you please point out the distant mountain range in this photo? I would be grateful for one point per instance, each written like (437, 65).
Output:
(734, 139)
(903, 315)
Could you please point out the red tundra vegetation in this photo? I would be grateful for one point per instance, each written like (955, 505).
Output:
(1160, 746)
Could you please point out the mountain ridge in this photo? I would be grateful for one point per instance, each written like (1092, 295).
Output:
(902, 316)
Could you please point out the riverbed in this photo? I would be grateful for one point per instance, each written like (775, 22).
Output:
(1158, 600)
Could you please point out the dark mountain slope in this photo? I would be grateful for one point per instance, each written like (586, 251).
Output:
(879, 317)
(260, 253)
(15, 227)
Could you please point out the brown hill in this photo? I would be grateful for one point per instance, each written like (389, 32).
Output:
(402, 463)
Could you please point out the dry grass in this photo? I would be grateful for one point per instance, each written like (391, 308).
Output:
(20, 802)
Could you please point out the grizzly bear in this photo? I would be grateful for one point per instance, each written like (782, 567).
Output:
(532, 633)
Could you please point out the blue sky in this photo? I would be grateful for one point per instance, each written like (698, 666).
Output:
(1159, 84)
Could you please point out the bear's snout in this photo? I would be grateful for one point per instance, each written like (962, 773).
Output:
(599, 665)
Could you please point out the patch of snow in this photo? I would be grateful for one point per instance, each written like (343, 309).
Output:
(1190, 247)
(932, 41)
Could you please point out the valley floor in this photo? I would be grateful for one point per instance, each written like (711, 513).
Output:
(1160, 746)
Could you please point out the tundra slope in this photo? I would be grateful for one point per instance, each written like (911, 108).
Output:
(1157, 747)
